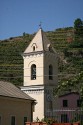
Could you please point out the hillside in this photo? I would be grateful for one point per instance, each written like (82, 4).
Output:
(70, 55)
(11, 61)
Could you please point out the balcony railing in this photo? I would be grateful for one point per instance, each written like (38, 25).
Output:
(66, 115)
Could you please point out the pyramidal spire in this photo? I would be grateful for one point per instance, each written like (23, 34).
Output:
(39, 43)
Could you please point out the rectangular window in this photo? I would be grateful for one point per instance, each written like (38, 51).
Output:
(0, 120)
(64, 118)
(13, 120)
(65, 103)
(79, 103)
(50, 72)
(25, 120)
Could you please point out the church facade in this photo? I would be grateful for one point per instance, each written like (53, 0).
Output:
(40, 74)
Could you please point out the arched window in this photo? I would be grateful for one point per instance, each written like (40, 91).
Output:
(33, 48)
(33, 72)
(50, 72)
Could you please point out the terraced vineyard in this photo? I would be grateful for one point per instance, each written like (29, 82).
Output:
(11, 61)
(70, 57)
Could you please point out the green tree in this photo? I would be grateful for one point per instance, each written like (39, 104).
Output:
(78, 23)
(75, 84)
(78, 26)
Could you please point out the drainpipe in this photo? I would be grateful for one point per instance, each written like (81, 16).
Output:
(33, 103)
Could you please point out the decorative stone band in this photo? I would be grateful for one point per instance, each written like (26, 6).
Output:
(36, 89)
(33, 89)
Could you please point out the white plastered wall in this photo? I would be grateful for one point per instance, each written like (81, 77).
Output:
(39, 107)
(50, 58)
(38, 61)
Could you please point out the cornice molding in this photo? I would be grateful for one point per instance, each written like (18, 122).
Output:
(32, 53)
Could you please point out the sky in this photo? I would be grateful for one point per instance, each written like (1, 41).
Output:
(19, 16)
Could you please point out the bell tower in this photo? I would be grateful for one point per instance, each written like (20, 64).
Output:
(40, 73)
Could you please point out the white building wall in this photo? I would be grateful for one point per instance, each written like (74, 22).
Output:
(38, 95)
(50, 58)
(38, 61)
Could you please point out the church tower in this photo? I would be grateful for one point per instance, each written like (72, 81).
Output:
(40, 73)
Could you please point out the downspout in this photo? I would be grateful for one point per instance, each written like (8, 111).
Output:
(33, 103)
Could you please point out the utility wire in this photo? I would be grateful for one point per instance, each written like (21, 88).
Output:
(36, 76)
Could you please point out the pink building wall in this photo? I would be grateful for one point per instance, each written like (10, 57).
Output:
(72, 100)
(67, 113)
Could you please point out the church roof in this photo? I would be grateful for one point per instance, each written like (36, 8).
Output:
(9, 90)
(39, 43)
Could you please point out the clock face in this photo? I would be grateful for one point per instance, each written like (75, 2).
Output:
(48, 97)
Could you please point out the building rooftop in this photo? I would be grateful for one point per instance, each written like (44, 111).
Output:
(69, 93)
(10, 90)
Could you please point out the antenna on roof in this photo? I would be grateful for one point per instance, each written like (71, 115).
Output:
(40, 25)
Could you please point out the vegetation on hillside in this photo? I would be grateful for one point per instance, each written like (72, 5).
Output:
(74, 56)
(65, 41)
(11, 60)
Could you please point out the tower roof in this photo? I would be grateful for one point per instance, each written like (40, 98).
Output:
(39, 43)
